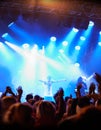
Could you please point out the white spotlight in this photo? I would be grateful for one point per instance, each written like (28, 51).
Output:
(100, 32)
(61, 51)
(75, 30)
(82, 38)
(65, 43)
(77, 47)
(10, 24)
(5, 35)
(77, 64)
(25, 45)
(99, 43)
(91, 23)
(53, 38)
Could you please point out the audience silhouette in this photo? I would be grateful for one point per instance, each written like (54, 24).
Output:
(81, 112)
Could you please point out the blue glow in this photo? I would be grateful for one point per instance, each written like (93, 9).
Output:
(99, 37)
(70, 35)
(95, 58)
(20, 32)
(9, 38)
(62, 56)
(10, 24)
(63, 46)
(5, 35)
(68, 40)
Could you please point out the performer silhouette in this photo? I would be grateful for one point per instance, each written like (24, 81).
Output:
(81, 85)
(49, 83)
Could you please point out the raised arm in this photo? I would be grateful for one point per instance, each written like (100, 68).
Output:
(61, 80)
(43, 81)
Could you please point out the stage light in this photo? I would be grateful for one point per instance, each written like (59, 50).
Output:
(91, 23)
(53, 38)
(82, 38)
(61, 51)
(75, 30)
(25, 45)
(77, 47)
(4, 35)
(10, 24)
(77, 64)
(99, 43)
(100, 32)
(64, 43)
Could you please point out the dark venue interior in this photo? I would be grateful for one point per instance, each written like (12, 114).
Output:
(50, 64)
(38, 38)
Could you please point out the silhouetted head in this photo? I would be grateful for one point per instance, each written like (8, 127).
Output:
(49, 77)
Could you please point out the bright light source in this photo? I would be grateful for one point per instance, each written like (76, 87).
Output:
(4, 35)
(25, 45)
(77, 47)
(77, 64)
(91, 23)
(53, 38)
(65, 43)
(100, 32)
(10, 24)
(75, 30)
(99, 43)
(61, 51)
(82, 38)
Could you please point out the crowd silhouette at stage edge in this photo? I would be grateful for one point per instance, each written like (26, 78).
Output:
(82, 112)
